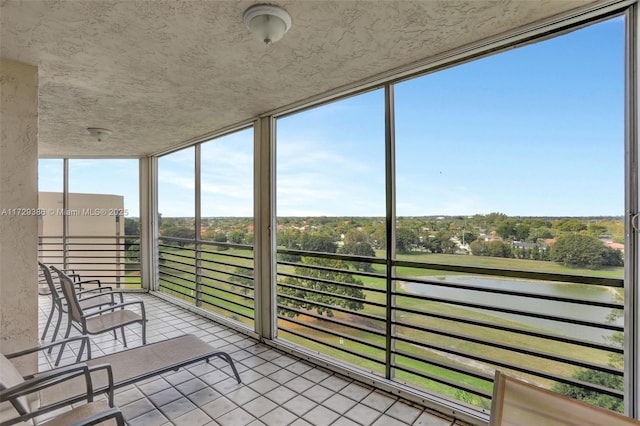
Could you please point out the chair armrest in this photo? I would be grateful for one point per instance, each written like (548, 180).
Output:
(89, 282)
(47, 379)
(97, 289)
(52, 378)
(112, 413)
(75, 277)
(76, 285)
(109, 371)
(89, 294)
(101, 291)
(112, 308)
(53, 344)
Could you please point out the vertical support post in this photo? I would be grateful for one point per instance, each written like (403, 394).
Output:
(65, 213)
(197, 224)
(149, 222)
(18, 190)
(264, 248)
(632, 209)
(390, 172)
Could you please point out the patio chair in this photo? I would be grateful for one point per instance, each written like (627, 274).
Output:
(24, 396)
(102, 319)
(516, 403)
(43, 286)
(89, 298)
(131, 365)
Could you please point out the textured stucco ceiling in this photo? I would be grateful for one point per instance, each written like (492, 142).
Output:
(158, 73)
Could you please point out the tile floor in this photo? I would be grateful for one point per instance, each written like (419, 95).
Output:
(276, 390)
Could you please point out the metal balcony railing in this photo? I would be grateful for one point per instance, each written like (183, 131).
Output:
(114, 260)
(446, 328)
(433, 327)
(215, 276)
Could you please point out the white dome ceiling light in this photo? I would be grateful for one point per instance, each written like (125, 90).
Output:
(267, 22)
(98, 133)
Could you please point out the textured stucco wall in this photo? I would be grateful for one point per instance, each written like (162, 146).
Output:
(18, 190)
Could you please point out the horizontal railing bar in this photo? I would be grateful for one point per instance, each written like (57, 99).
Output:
(183, 248)
(167, 274)
(331, 345)
(172, 253)
(336, 270)
(233, 302)
(444, 381)
(518, 349)
(165, 266)
(177, 291)
(219, 280)
(249, 289)
(187, 261)
(249, 298)
(83, 259)
(325, 293)
(332, 307)
(544, 276)
(335, 333)
(221, 271)
(228, 281)
(235, 274)
(333, 256)
(176, 239)
(326, 268)
(223, 254)
(81, 245)
(441, 364)
(217, 262)
(333, 321)
(226, 290)
(179, 261)
(228, 273)
(89, 236)
(516, 367)
(516, 330)
(225, 308)
(516, 312)
(510, 293)
(338, 283)
(247, 247)
(328, 293)
(205, 242)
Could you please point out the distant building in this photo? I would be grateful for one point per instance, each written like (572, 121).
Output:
(95, 234)
(616, 246)
(524, 245)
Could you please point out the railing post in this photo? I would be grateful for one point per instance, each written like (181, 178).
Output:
(149, 223)
(197, 224)
(390, 172)
(264, 217)
(632, 210)
(65, 216)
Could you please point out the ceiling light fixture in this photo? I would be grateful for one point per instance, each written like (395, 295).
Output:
(267, 22)
(98, 133)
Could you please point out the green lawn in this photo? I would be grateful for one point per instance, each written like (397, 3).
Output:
(502, 263)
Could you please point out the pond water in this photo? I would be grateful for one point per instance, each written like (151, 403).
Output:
(562, 309)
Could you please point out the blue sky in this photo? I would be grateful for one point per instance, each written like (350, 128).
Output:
(533, 131)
